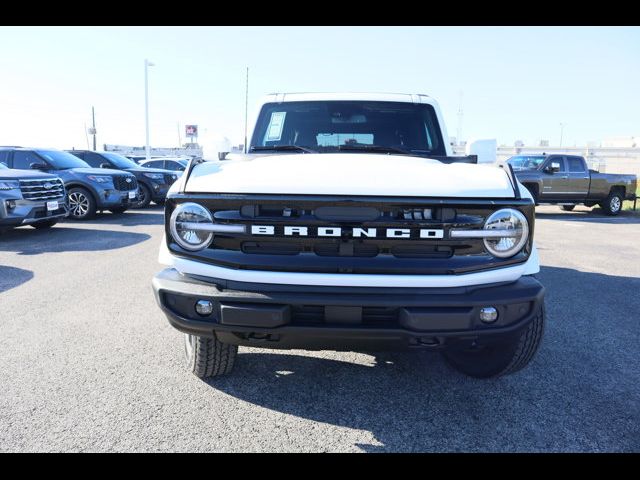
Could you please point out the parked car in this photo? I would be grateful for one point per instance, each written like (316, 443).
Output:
(566, 180)
(177, 164)
(350, 225)
(153, 183)
(89, 189)
(30, 198)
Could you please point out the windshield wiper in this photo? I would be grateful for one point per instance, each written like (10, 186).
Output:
(375, 148)
(281, 148)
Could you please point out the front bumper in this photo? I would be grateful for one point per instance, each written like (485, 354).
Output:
(159, 191)
(116, 198)
(27, 212)
(312, 317)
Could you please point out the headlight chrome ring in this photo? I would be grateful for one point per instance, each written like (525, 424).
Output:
(189, 239)
(507, 219)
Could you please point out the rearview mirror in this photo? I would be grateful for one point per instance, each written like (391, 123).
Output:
(38, 166)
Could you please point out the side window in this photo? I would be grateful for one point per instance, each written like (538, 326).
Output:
(4, 157)
(23, 160)
(576, 164)
(80, 155)
(94, 160)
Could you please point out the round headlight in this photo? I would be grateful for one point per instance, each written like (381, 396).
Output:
(512, 221)
(190, 239)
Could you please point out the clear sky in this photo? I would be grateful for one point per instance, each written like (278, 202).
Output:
(517, 83)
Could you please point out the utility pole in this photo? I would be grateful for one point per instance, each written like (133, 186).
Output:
(179, 137)
(561, 131)
(93, 130)
(246, 110)
(147, 64)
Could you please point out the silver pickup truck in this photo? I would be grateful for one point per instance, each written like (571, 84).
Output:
(30, 198)
(566, 180)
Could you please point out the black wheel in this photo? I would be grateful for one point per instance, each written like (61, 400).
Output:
(82, 205)
(118, 209)
(500, 358)
(612, 205)
(45, 224)
(568, 208)
(144, 196)
(209, 357)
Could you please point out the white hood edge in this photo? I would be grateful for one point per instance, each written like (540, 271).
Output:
(349, 174)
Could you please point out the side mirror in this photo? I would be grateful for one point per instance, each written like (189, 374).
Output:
(554, 167)
(38, 166)
(105, 165)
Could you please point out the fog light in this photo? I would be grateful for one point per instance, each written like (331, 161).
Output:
(11, 204)
(488, 314)
(204, 307)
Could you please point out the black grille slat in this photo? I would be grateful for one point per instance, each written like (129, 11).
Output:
(36, 190)
(120, 182)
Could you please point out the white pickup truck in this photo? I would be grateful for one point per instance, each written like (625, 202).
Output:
(349, 225)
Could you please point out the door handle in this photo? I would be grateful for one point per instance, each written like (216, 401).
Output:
(565, 177)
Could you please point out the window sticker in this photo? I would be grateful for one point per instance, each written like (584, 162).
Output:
(276, 124)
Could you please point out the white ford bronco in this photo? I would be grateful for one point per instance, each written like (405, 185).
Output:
(349, 225)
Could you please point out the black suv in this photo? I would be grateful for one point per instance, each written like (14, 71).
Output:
(153, 183)
(89, 189)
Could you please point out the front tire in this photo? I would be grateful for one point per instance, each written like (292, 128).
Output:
(612, 205)
(501, 358)
(82, 205)
(144, 196)
(44, 225)
(208, 357)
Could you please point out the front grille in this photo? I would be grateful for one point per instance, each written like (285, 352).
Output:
(42, 189)
(313, 315)
(417, 253)
(121, 183)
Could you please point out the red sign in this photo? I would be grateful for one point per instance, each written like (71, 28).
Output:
(191, 130)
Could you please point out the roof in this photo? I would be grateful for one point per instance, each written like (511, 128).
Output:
(358, 96)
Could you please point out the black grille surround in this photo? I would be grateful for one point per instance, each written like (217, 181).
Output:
(42, 190)
(345, 254)
(121, 184)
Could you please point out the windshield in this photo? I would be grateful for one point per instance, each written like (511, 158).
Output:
(329, 126)
(526, 162)
(119, 161)
(62, 160)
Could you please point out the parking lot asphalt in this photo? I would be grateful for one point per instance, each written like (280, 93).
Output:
(88, 362)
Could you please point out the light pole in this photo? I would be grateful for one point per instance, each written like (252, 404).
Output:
(147, 64)
(561, 130)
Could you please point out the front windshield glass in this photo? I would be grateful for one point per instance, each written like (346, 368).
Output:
(62, 160)
(330, 126)
(526, 162)
(119, 161)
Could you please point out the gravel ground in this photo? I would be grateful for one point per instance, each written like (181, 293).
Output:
(88, 362)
